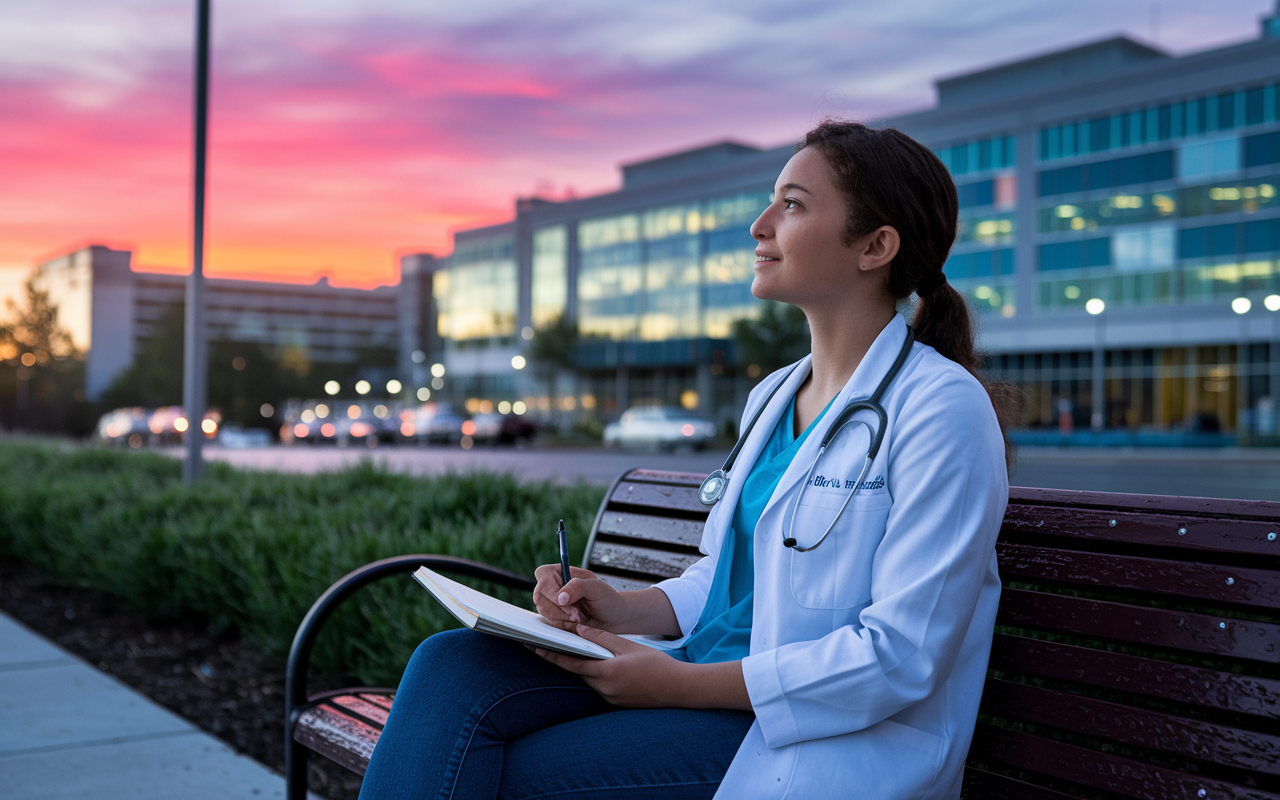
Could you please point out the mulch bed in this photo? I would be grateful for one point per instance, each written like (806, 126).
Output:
(215, 682)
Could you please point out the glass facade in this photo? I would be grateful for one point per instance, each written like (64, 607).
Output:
(979, 155)
(672, 273)
(1199, 388)
(1160, 122)
(550, 274)
(477, 296)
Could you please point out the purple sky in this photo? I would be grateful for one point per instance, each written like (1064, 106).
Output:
(344, 132)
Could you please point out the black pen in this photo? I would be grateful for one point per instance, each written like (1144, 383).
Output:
(564, 552)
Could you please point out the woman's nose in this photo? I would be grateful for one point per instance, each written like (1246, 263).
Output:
(761, 229)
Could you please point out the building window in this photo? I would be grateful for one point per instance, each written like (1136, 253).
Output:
(979, 155)
(1145, 168)
(477, 294)
(550, 274)
(1222, 111)
(669, 273)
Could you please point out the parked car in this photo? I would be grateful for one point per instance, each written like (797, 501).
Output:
(495, 428)
(237, 437)
(116, 426)
(434, 422)
(666, 427)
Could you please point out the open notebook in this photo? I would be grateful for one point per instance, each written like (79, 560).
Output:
(480, 612)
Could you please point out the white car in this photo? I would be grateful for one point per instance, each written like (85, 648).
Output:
(666, 427)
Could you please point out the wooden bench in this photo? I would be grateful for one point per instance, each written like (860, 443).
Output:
(1137, 653)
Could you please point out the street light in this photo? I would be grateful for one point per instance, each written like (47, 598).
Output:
(437, 370)
(331, 387)
(1272, 302)
(363, 387)
(1095, 306)
(394, 386)
(517, 362)
(1241, 305)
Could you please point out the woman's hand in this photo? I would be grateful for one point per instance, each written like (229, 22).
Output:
(584, 599)
(641, 677)
(636, 677)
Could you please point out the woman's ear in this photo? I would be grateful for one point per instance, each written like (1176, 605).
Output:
(878, 248)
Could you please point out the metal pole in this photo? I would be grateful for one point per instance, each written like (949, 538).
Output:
(193, 361)
(1097, 418)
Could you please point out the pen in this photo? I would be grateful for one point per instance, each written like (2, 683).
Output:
(564, 552)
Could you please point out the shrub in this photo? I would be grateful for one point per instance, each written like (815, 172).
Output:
(249, 551)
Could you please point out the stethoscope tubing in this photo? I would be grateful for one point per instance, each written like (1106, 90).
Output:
(714, 485)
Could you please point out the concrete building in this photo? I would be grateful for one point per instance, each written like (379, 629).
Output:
(1110, 178)
(108, 308)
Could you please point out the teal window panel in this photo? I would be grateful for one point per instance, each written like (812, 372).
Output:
(1262, 236)
(1254, 107)
(976, 194)
(1261, 149)
(1076, 254)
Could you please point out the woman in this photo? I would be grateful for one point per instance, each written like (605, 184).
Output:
(853, 670)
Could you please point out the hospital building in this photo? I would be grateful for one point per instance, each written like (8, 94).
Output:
(1118, 239)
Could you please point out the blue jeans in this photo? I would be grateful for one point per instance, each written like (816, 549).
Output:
(481, 717)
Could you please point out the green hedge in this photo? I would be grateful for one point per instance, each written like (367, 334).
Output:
(250, 551)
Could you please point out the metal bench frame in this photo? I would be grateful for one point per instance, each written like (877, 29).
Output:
(1137, 652)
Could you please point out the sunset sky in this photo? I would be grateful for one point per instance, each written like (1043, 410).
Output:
(343, 133)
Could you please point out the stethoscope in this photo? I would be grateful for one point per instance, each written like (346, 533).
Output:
(714, 485)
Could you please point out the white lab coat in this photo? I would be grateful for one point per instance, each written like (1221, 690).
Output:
(869, 653)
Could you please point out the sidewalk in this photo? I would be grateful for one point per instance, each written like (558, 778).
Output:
(70, 731)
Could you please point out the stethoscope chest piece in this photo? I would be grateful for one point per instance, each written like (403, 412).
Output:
(712, 488)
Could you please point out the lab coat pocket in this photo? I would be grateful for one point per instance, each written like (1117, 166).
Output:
(838, 573)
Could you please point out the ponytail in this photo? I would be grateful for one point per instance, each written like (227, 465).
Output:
(888, 178)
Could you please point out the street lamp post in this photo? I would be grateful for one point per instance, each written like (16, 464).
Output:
(193, 355)
(1097, 418)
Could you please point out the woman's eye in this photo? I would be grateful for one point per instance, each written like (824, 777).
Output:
(789, 203)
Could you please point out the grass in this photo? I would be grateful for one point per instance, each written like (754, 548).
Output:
(249, 551)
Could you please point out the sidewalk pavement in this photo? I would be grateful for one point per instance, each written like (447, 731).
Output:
(70, 731)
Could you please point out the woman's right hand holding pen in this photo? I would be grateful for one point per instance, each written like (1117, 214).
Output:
(587, 600)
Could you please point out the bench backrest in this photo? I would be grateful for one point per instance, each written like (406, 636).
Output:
(1137, 649)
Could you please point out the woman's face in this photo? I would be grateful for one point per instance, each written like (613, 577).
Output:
(801, 256)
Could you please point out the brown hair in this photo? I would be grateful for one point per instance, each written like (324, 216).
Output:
(888, 178)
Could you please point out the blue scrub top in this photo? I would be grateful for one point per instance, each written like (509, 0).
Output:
(723, 633)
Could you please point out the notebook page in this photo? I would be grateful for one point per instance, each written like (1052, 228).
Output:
(508, 617)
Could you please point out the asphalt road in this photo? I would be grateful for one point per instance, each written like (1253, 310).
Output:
(1245, 474)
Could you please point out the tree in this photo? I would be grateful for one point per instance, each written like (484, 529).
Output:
(41, 371)
(555, 346)
(779, 336)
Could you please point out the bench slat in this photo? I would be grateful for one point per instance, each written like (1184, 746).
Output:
(666, 476)
(1199, 633)
(1153, 503)
(982, 785)
(644, 561)
(664, 496)
(337, 736)
(1136, 527)
(383, 700)
(1100, 770)
(1192, 738)
(372, 713)
(1164, 680)
(1237, 585)
(623, 584)
(685, 532)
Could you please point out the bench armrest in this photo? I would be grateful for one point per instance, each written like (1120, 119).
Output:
(300, 651)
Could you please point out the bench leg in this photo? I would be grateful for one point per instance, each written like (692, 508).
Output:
(295, 765)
